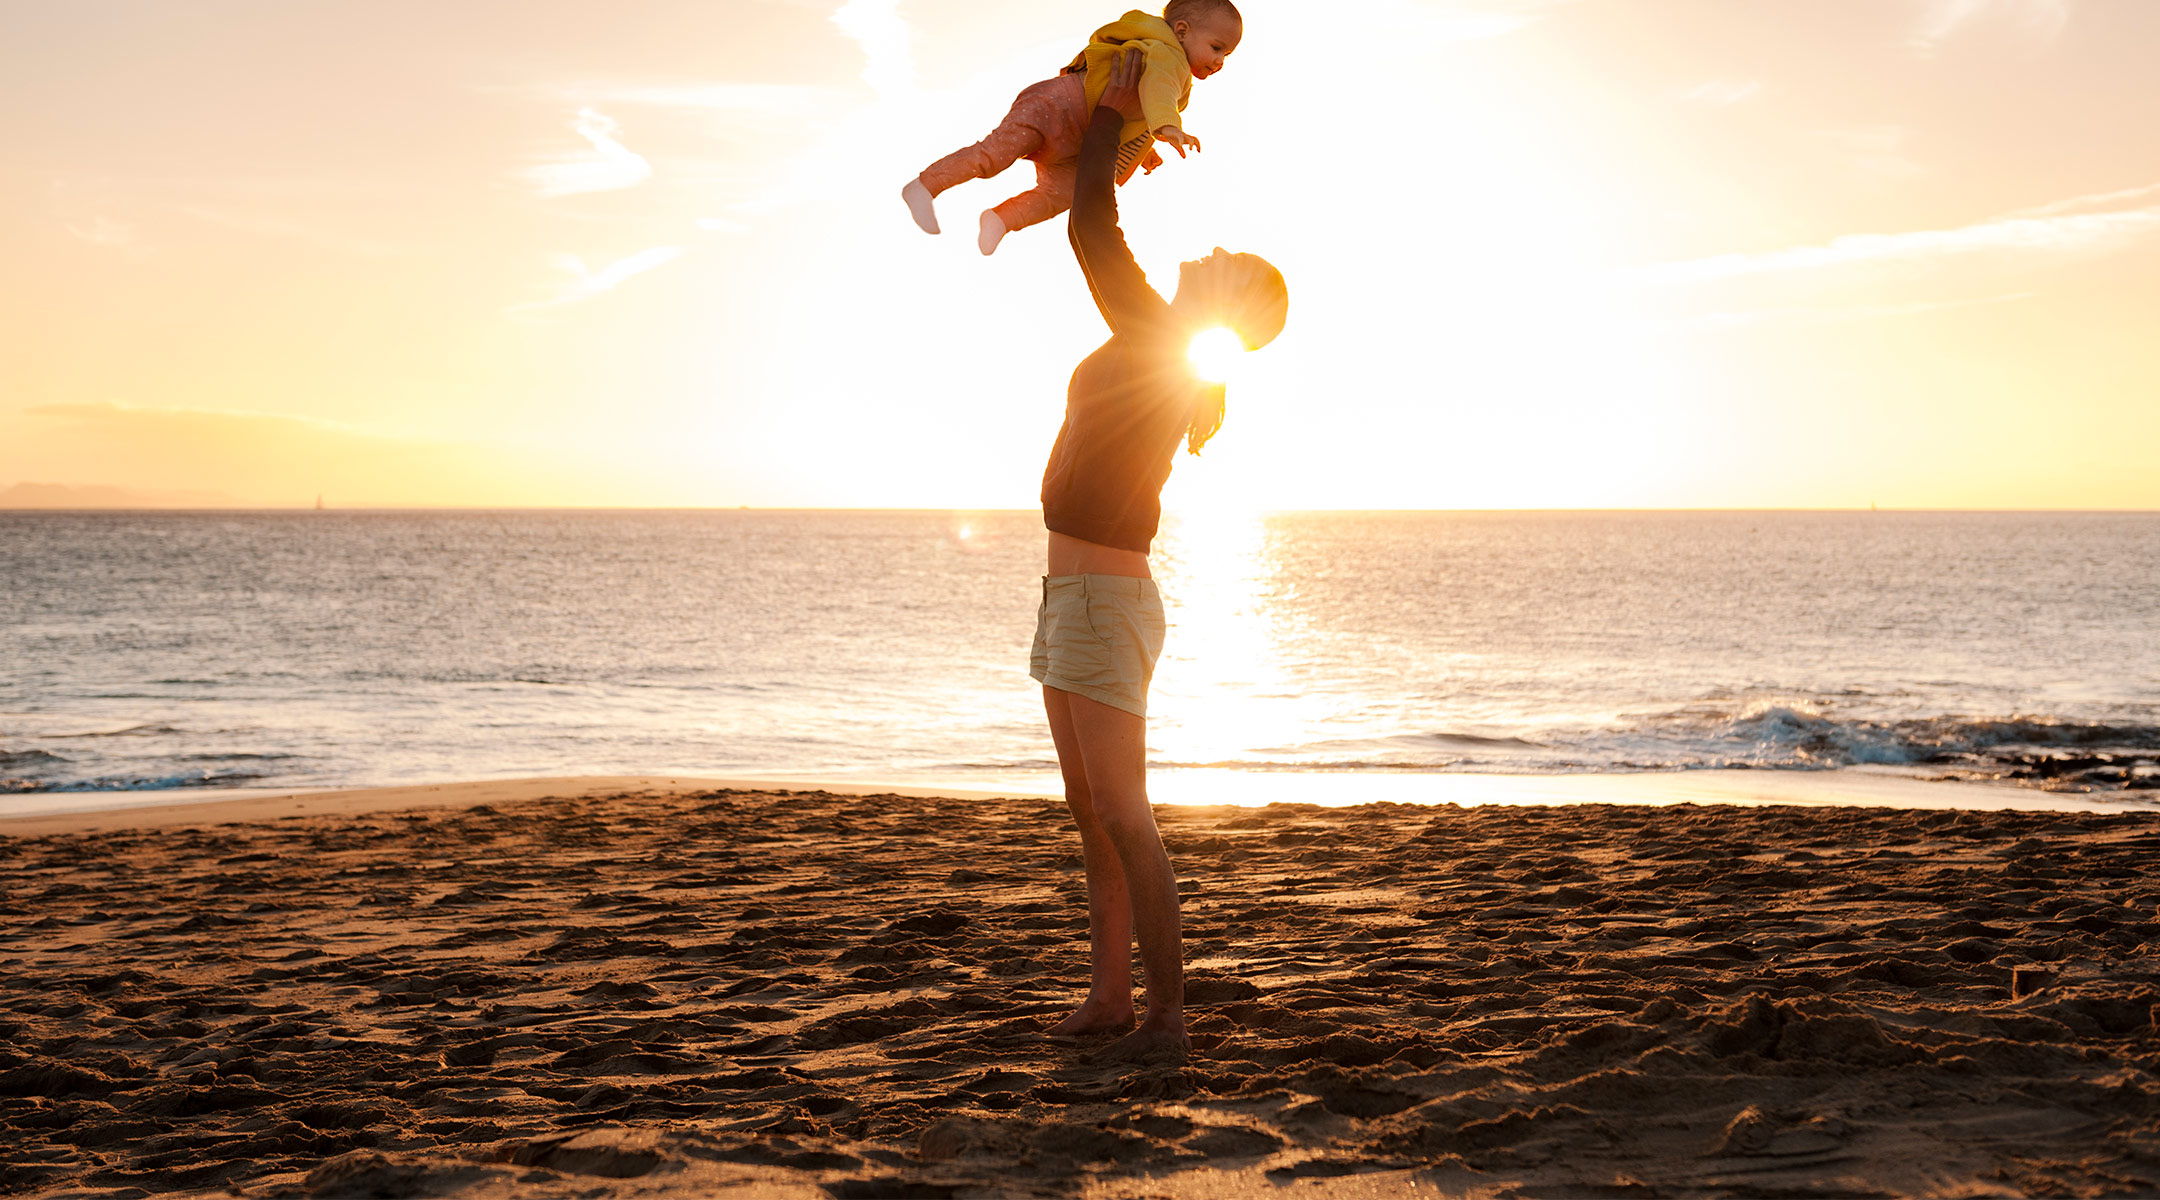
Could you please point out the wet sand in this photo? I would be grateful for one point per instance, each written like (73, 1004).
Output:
(689, 991)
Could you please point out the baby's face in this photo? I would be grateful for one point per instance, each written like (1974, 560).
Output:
(1208, 41)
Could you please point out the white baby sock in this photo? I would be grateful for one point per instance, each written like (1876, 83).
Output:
(918, 205)
(993, 232)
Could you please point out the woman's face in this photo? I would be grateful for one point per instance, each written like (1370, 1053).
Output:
(1216, 258)
(1203, 275)
(1205, 284)
(1219, 287)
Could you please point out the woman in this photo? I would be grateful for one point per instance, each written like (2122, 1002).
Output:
(1100, 628)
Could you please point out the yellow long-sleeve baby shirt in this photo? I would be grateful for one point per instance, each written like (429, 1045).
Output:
(1165, 77)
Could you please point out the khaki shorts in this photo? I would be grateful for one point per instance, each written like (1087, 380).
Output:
(1099, 636)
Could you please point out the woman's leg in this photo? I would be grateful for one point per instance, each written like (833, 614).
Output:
(1112, 747)
(1109, 1000)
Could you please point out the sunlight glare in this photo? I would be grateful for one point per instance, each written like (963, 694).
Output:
(971, 533)
(1215, 352)
(1225, 695)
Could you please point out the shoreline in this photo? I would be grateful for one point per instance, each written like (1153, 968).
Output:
(37, 813)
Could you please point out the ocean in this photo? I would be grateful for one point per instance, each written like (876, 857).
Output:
(330, 649)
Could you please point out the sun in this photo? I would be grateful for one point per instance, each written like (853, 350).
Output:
(1215, 353)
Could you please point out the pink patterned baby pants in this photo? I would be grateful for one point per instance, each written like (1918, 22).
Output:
(1045, 126)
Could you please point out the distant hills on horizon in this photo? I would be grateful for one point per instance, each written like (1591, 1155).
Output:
(78, 495)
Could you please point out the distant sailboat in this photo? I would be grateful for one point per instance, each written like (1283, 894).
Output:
(318, 502)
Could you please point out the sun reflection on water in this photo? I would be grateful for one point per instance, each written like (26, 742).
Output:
(1221, 692)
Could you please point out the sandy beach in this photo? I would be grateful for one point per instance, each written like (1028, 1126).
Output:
(643, 988)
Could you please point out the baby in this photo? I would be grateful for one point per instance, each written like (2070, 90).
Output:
(1189, 41)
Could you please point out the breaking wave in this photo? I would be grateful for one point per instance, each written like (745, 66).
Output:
(191, 779)
(2052, 750)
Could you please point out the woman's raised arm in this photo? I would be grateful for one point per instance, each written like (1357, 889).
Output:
(1120, 288)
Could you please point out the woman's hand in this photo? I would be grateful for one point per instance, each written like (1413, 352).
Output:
(1123, 91)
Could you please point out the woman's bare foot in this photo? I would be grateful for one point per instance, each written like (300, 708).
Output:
(1094, 1016)
(1150, 1042)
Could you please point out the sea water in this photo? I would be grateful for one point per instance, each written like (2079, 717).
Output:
(319, 649)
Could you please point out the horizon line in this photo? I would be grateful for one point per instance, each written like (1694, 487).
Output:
(810, 508)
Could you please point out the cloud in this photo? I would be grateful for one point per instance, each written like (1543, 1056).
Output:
(85, 220)
(1835, 316)
(618, 167)
(330, 211)
(266, 225)
(767, 98)
(1459, 21)
(586, 283)
(2076, 203)
(100, 231)
(690, 95)
(611, 167)
(1879, 149)
(1719, 93)
(1942, 20)
(876, 26)
(2025, 235)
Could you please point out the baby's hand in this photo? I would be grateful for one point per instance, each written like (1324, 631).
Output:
(1152, 161)
(1178, 139)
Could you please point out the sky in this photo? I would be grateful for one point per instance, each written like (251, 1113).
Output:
(1541, 253)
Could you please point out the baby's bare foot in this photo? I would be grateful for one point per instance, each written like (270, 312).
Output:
(1093, 1017)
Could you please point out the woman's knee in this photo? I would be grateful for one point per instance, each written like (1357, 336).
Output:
(1126, 820)
(1082, 806)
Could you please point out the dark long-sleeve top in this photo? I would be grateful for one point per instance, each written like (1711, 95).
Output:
(1131, 400)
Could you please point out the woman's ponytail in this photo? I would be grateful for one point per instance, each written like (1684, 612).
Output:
(1207, 416)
